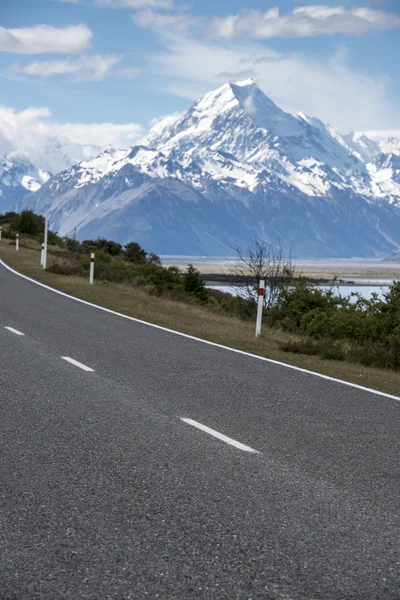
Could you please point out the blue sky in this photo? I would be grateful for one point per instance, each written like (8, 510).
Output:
(101, 70)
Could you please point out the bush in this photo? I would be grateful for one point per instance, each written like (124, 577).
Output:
(193, 283)
(221, 302)
(25, 222)
(7, 217)
(135, 253)
(65, 267)
(108, 246)
(71, 244)
(323, 348)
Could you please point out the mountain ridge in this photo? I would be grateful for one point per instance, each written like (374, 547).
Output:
(233, 167)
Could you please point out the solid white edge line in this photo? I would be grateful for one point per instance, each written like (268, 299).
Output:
(77, 364)
(220, 436)
(191, 337)
(14, 331)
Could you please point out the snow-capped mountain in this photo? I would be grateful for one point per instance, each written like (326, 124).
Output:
(385, 177)
(368, 148)
(362, 145)
(17, 177)
(390, 145)
(234, 167)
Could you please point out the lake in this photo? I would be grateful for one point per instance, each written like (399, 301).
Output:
(365, 291)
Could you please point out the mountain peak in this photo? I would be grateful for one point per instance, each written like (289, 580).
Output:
(240, 119)
(247, 98)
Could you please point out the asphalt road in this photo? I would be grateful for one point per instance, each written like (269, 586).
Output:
(106, 493)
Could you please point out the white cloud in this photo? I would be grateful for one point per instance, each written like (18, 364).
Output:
(179, 23)
(329, 89)
(383, 134)
(45, 38)
(31, 132)
(101, 134)
(94, 67)
(135, 3)
(303, 21)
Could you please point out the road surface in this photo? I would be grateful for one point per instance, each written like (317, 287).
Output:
(107, 493)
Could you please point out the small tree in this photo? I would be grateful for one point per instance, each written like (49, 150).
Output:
(135, 253)
(154, 259)
(25, 222)
(262, 261)
(193, 283)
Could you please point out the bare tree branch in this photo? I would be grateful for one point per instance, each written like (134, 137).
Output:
(262, 261)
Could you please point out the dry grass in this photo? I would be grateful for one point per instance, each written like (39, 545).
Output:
(192, 319)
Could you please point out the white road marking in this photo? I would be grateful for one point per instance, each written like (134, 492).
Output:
(196, 339)
(77, 364)
(14, 331)
(220, 436)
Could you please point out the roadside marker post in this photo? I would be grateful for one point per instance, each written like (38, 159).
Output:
(17, 241)
(42, 254)
(91, 273)
(46, 227)
(261, 292)
(0, 233)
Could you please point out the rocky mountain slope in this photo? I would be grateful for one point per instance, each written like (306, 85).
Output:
(234, 167)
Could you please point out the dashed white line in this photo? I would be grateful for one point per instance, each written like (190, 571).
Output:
(77, 364)
(220, 436)
(14, 331)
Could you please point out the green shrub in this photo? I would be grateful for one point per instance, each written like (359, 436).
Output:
(193, 283)
(25, 222)
(222, 302)
(7, 217)
(135, 253)
(108, 246)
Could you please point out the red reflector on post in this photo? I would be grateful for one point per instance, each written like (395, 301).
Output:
(260, 292)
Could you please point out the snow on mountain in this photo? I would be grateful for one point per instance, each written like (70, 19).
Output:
(385, 177)
(21, 173)
(363, 146)
(390, 146)
(18, 176)
(369, 146)
(233, 167)
(241, 120)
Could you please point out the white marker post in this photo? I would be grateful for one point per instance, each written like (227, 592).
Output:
(0, 233)
(261, 292)
(46, 227)
(17, 241)
(42, 254)
(91, 273)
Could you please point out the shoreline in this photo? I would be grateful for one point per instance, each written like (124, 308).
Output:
(345, 269)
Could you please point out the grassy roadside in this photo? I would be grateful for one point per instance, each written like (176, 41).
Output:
(192, 319)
